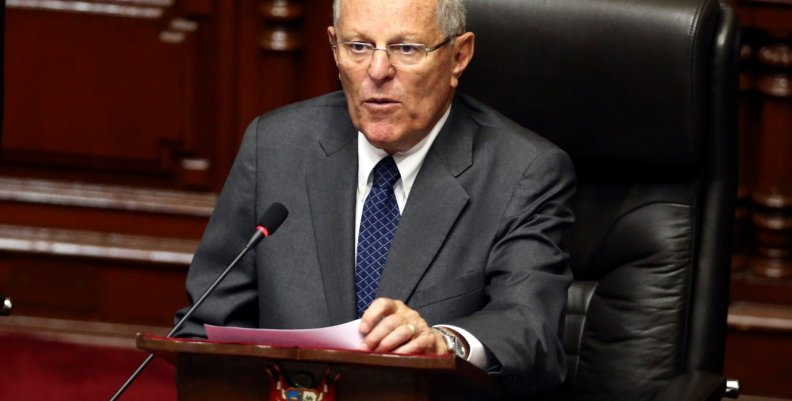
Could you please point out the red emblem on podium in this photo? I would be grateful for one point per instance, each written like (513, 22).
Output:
(281, 390)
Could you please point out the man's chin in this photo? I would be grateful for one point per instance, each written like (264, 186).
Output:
(380, 143)
(381, 138)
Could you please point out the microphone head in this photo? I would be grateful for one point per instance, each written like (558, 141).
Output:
(273, 217)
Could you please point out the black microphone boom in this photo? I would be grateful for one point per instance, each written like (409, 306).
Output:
(270, 221)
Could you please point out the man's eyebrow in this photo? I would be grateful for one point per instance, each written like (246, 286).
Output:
(354, 36)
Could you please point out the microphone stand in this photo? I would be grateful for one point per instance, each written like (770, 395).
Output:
(261, 232)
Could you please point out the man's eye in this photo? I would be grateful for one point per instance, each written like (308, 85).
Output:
(406, 49)
(358, 47)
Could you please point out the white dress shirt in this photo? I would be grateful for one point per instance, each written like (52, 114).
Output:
(408, 163)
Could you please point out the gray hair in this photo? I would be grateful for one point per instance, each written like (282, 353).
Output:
(450, 16)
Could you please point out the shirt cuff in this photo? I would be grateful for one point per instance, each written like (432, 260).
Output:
(476, 354)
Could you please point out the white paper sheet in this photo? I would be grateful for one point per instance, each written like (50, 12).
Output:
(343, 336)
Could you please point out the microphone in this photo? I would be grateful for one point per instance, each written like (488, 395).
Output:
(5, 305)
(270, 221)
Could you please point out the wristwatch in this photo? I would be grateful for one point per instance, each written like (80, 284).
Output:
(453, 342)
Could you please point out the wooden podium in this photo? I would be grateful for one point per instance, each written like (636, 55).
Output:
(210, 371)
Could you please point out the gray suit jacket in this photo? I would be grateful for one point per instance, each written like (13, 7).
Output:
(478, 244)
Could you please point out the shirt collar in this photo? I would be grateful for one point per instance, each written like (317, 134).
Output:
(409, 162)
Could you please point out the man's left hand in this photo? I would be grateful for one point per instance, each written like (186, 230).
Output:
(389, 325)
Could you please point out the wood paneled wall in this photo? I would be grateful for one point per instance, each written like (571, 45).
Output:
(153, 92)
(766, 180)
(122, 121)
(759, 346)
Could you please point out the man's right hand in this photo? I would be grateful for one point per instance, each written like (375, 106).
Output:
(391, 326)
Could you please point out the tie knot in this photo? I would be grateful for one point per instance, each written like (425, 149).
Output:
(386, 173)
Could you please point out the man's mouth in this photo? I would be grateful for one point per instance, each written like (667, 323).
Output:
(380, 100)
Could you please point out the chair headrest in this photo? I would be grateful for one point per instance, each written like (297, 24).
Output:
(607, 79)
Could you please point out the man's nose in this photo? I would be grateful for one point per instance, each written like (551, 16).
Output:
(380, 67)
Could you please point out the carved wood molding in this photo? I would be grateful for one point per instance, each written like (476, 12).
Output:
(756, 316)
(96, 245)
(106, 197)
(776, 58)
(778, 2)
(282, 20)
(175, 31)
(773, 198)
(78, 331)
(778, 85)
(145, 9)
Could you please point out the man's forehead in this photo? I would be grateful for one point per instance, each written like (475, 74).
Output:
(389, 19)
(368, 9)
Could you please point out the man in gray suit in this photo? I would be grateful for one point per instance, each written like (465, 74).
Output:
(477, 206)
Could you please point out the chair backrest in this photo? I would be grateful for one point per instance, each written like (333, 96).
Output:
(642, 95)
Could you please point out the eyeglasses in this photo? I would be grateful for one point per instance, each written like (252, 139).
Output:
(399, 54)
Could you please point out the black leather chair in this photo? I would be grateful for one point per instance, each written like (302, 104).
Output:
(642, 94)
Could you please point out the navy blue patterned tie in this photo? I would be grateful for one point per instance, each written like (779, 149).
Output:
(377, 226)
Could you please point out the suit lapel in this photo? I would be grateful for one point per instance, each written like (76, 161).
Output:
(435, 202)
(331, 191)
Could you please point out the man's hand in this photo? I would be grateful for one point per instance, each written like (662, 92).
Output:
(391, 326)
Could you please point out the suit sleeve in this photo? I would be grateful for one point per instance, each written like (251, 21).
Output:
(234, 301)
(527, 277)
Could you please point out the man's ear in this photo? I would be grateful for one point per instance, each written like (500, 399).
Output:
(463, 52)
(330, 40)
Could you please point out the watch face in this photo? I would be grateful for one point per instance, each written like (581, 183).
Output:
(455, 346)
(459, 349)
(453, 343)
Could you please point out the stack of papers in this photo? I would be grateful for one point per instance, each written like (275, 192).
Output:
(343, 336)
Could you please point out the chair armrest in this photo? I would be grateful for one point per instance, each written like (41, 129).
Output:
(693, 386)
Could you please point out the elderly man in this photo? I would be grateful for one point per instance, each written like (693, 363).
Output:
(442, 211)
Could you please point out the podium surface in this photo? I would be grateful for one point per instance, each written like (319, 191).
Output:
(209, 371)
